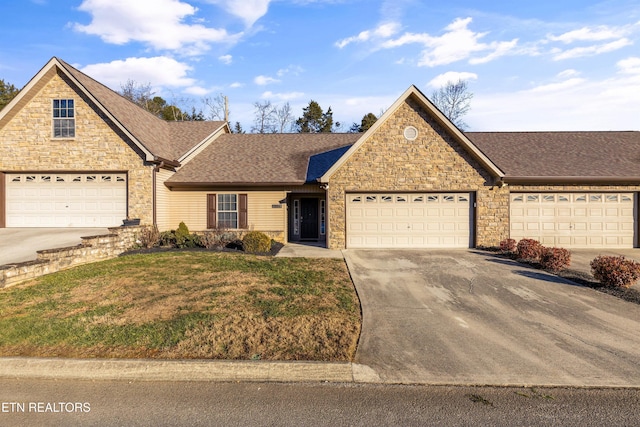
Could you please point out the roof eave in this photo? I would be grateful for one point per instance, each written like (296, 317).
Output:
(577, 180)
(204, 185)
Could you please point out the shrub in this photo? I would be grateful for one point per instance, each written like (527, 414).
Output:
(182, 235)
(529, 250)
(148, 237)
(508, 246)
(218, 238)
(555, 259)
(168, 238)
(615, 271)
(255, 242)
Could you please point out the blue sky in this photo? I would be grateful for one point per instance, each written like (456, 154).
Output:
(536, 65)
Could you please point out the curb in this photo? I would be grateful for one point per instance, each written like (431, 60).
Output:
(183, 370)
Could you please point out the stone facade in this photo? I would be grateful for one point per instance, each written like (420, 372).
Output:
(434, 162)
(28, 145)
(92, 248)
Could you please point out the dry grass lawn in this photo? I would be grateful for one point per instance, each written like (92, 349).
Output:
(186, 305)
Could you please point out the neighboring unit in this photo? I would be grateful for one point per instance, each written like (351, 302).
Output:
(77, 154)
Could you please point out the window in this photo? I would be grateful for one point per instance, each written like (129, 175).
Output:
(323, 215)
(296, 217)
(228, 211)
(64, 122)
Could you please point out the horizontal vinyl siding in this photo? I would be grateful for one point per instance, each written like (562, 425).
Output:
(163, 200)
(191, 207)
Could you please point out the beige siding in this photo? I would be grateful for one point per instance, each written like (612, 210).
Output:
(191, 207)
(163, 201)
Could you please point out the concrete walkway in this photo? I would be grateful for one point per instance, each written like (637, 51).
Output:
(296, 250)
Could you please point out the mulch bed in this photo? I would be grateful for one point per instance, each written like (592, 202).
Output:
(275, 248)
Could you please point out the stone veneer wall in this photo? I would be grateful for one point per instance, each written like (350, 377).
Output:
(92, 248)
(28, 145)
(433, 162)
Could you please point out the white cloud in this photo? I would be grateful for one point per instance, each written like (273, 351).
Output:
(265, 80)
(573, 104)
(226, 59)
(247, 10)
(382, 31)
(630, 65)
(197, 90)
(236, 85)
(288, 96)
(456, 44)
(578, 52)
(599, 33)
(158, 71)
(158, 23)
(568, 73)
(291, 69)
(451, 76)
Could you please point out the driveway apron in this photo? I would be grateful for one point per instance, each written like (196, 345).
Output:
(469, 317)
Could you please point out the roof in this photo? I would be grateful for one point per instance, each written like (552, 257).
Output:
(263, 159)
(155, 138)
(168, 140)
(591, 155)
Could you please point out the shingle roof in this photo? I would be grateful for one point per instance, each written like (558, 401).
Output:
(562, 154)
(164, 139)
(259, 159)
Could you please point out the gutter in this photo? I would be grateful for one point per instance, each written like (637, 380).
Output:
(571, 180)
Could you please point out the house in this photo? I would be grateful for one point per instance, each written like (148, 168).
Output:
(76, 154)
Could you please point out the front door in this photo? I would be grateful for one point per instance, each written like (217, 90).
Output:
(308, 218)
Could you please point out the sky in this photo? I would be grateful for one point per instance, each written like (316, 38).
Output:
(535, 65)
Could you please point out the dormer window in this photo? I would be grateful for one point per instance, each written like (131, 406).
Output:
(64, 122)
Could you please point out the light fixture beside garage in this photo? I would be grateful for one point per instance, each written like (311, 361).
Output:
(410, 133)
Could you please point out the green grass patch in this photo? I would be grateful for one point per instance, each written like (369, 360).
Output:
(186, 305)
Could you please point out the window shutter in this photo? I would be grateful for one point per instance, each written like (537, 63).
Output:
(211, 211)
(242, 211)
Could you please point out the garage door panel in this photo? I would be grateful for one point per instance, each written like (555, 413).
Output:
(65, 200)
(574, 219)
(419, 220)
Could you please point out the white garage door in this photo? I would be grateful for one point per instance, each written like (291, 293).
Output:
(408, 220)
(66, 200)
(574, 220)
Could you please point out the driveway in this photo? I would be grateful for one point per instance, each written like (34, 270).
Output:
(21, 244)
(469, 317)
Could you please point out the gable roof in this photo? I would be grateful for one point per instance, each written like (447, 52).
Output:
(262, 159)
(416, 94)
(563, 156)
(157, 139)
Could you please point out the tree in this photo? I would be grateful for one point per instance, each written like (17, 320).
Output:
(143, 96)
(314, 119)
(367, 121)
(453, 100)
(237, 128)
(264, 117)
(284, 117)
(7, 93)
(217, 107)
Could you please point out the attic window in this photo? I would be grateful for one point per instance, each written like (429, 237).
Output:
(410, 133)
(64, 122)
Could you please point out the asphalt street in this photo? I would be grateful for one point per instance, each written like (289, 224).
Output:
(111, 403)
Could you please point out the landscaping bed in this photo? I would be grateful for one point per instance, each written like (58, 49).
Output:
(186, 304)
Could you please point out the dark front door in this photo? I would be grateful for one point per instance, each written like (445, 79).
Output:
(309, 218)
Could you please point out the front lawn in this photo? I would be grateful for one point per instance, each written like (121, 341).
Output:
(186, 305)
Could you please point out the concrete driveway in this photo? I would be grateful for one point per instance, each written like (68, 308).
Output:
(21, 244)
(468, 317)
